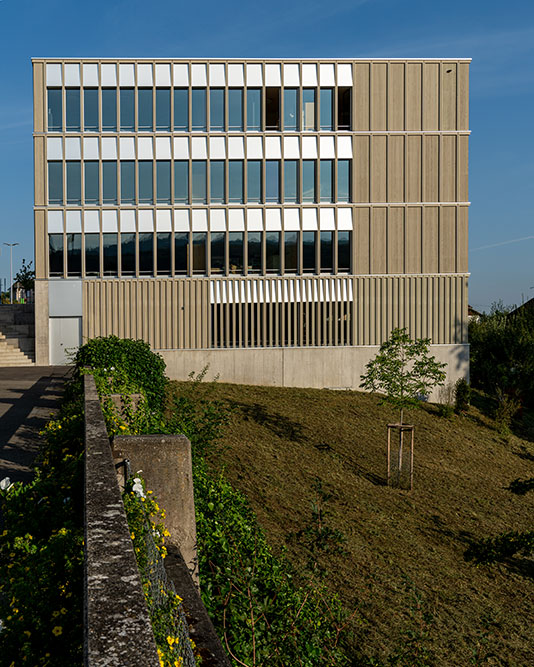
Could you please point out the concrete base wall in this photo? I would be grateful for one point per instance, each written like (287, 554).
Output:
(319, 367)
(42, 346)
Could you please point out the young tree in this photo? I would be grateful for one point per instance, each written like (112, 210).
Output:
(26, 276)
(403, 370)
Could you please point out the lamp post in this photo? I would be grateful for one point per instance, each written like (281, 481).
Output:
(11, 246)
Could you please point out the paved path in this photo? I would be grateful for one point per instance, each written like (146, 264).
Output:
(28, 396)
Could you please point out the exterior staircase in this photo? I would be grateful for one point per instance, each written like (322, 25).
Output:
(17, 335)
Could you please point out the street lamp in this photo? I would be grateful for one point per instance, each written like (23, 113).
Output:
(11, 246)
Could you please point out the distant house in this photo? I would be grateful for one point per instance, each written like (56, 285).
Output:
(472, 314)
(526, 308)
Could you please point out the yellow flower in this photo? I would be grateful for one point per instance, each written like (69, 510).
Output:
(170, 640)
(122, 427)
(57, 630)
(27, 633)
(63, 610)
(132, 535)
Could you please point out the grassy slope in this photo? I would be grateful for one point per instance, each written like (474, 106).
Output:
(399, 545)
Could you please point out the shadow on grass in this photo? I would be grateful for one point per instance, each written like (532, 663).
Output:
(281, 426)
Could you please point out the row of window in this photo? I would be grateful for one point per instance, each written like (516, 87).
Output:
(232, 181)
(223, 253)
(220, 110)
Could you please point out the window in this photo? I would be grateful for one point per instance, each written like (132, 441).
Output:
(110, 253)
(217, 252)
(146, 253)
(272, 251)
(272, 108)
(217, 182)
(308, 252)
(291, 194)
(235, 110)
(146, 184)
(326, 178)
(254, 181)
(163, 181)
(343, 181)
(327, 252)
(254, 252)
(127, 254)
(72, 104)
(55, 110)
(128, 182)
(92, 254)
(235, 181)
(308, 109)
(181, 243)
(109, 182)
(163, 109)
(109, 109)
(145, 114)
(327, 116)
(308, 181)
(199, 252)
(181, 182)
(253, 110)
(127, 110)
(343, 108)
(181, 109)
(163, 256)
(291, 254)
(272, 181)
(290, 109)
(90, 110)
(74, 182)
(55, 254)
(198, 109)
(74, 254)
(343, 251)
(92, 186)
(235, 252)
(198, 175)
(55, 182)
(217, 109)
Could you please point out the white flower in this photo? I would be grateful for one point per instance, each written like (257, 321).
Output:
(112, 368)
(5, 484)
(137, 488)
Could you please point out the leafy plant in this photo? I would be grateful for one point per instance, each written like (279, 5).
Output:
(462, 396)
(507, 408)
(26, 276)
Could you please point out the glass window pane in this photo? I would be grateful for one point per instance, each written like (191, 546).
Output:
(217, 182)
(90, 110)
(291, 194)
(272, 181)
(74, 254)
(308, 251)
(55, 254)
(254, 181)
(144, 109)
(74, 182)
(343, 108)
(163, 181)
(92, 254)
(343, 180)
(327, 119)
(235, 110)
(127, 254)
(343, 251)
(163, 109)
(92, 187)
(72, 103)
(254, 252)
(181, 182)
(308, 109)
(217, 252)
(146, 253)
(326, 175)
(110, 253)
(272, 108)
(127, 182)
(253, 110)
(163, 241)
(235, 252)
(235, 181)
(199, 252)
(290, 109)
(55, 110)
(127, 109)
(217, 109)
(109, 182)
(272, 251)
(181, 243)
(291, 255)
(198, 175)
(308, 181)
(181, 109)
(146, 185)
(109, 109)
(327, 252)
(198, 109)
(55, 182)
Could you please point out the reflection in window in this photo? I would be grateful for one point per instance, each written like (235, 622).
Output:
(109, 182)
(272, 108)
(146, 184)
(72, 108)
(272, 181)
(74, 254)
(235, 181)
(163, 256)
(308, 252)
(327, 252)
(146, 253)
(74, 182)
(343, 108)
(127, 182)
(198, 109)
(254, 252)
(110, 254)
(308, 109)
(217, 181)
(290, 109)
(127, 254)
(163, 109)
(291, 181)
(91, 186)
(343, 180)
(109, 109)
(217, 109)
(254, 181)
(308, 181)
(145, 116)
(127, 110)
(92, 254)
(55, 254)
(235, 110)
(217, 252)
(181, 242)
(90, 110)
(198, 176)
(327, 117)
(272, 251)
(235, 252)
(181, 182)
(181, 109)
(163, 181)
(199, 252)
(343, 251)
(55, 182)
(55, 110)
(291, 254)
(253, 110)
(326, 177)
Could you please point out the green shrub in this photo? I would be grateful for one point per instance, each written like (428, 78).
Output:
(507, 408)
(462, 396)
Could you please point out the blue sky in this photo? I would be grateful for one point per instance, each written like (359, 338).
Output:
(499, 36)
